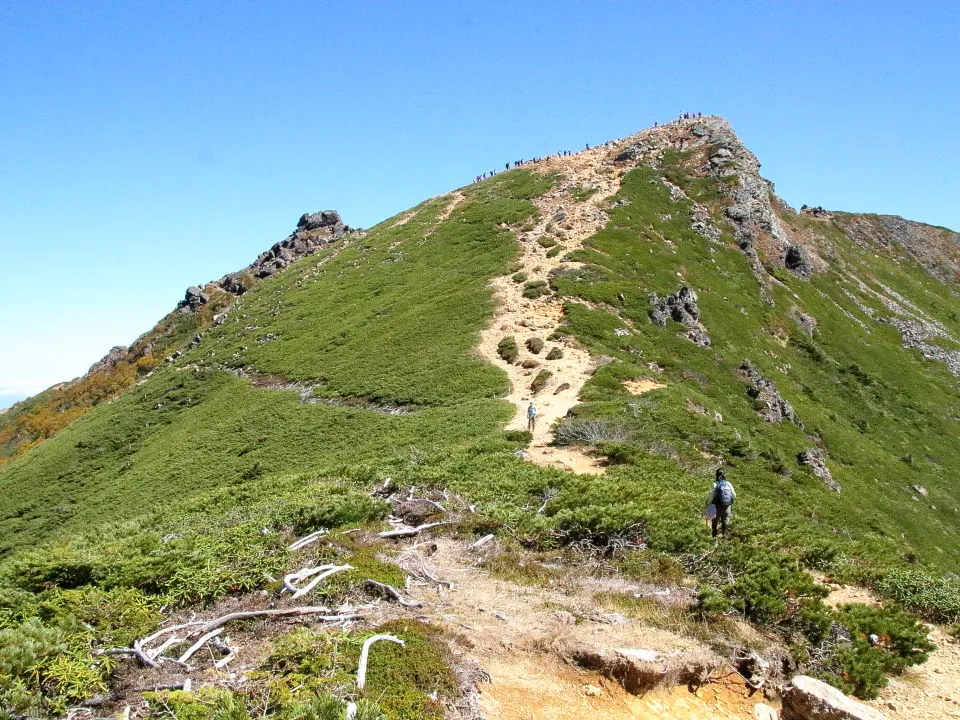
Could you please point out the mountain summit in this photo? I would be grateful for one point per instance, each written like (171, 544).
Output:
(350, 416)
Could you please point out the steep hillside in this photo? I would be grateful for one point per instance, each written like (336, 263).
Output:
(664, 309)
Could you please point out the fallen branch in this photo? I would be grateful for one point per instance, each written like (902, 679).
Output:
(482, 541)
(134, 651)
(150, 638)
(393, 592)
(166, 643)
(303, 574)
(362, 669)
(409, 532)
(279, 612)
(312, 537)
(320, 578)
(423, 572)
(199, 644)
(146, 659)
(421, 544)
(174, 661)
(224, 661)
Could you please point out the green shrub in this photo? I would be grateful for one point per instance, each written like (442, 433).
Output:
(555, 353)
(337, 506)
(518, 436)
(508, 350)
(546, 242)
(540, 381)
(520, 277)
(858, 645)
(554, 251)
(534, 345)
(573, 431)
(535, 288)
(936, 598)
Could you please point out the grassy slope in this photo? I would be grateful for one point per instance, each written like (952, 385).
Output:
(392, 318)
(860, 396)
(197, 451)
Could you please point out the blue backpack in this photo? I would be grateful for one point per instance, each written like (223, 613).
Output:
(723, 494)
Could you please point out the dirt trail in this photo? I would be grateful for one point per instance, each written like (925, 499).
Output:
(931, 690)
(571, 222)
(519, 634)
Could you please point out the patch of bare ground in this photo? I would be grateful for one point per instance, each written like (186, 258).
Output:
(529, 639)
(931, 690)
(642, 385)
(570, 212)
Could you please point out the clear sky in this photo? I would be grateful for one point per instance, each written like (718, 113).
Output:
(146, 146)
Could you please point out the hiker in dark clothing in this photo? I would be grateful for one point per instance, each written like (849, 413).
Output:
(722, 497)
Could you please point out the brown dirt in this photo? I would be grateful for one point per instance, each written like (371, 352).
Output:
(520, 635)
(931, 690)
(641, 386)
(524, 318)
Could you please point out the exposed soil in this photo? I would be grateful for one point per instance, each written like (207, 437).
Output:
(571, 222)
(522, 635)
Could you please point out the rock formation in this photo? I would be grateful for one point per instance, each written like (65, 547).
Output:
(772, 406)
(681, 306)
(815, 460)
(810, 699)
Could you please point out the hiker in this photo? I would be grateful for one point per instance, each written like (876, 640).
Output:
(722, 497)
(531, 417)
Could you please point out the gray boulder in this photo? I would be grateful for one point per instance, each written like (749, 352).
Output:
(681, 306)
(193, 298)
(797, 261)
(815, 460)
(317, 220)
(772, 406)
(810, 699)
(117, 353)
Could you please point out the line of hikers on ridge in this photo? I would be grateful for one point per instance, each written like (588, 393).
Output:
(567, 153)
(720, 498)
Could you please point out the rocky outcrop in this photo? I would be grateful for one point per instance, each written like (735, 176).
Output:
(915, 333)
(815, 460)
(193, 298)
(937, 249)
(772, 407)
(797, 260)
(682, 307)
(117, 354)
(810, 699)
(313, 231)
(806, 322)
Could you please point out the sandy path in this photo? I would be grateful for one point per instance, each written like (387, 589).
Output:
(525, 318)
(519, 632)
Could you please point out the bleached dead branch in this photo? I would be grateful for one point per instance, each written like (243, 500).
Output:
(312, 537)
(320, 578)
(362, 669)
(409, 532)
(393, 592)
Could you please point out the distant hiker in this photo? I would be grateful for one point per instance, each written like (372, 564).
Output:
(531, 417)
(507, 166)
(722, 497)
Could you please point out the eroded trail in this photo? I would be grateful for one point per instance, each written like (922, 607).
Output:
(571, 212)
(523, 637)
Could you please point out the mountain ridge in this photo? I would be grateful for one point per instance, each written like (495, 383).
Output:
(697, 322)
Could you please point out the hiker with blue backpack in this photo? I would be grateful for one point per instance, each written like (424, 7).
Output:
(722, 496)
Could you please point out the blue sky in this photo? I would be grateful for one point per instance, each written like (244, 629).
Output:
(148, 146)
